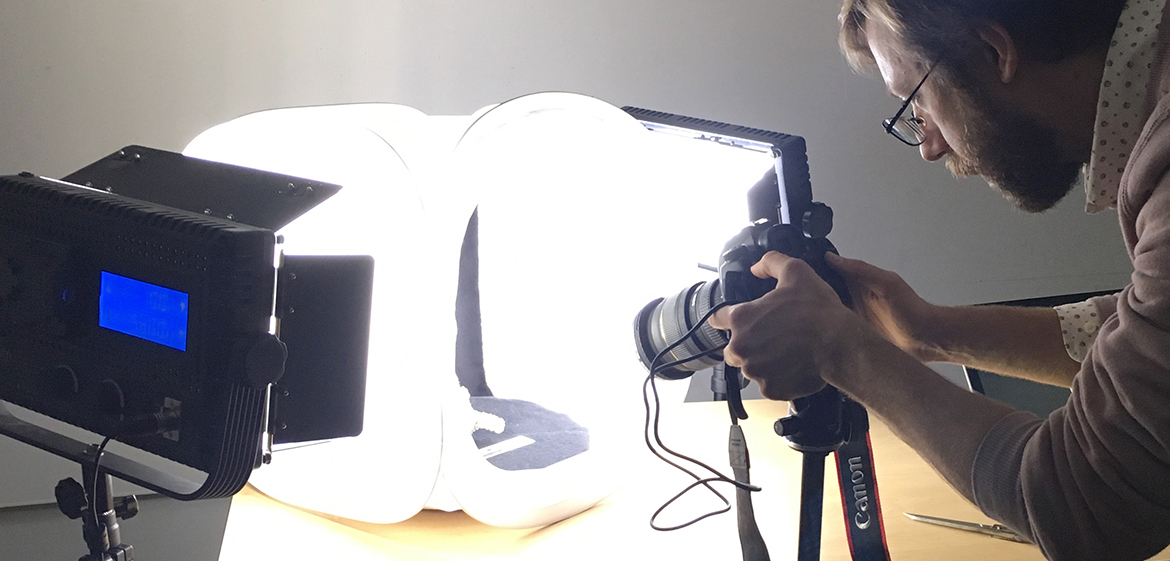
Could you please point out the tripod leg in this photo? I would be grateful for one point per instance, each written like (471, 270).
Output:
(812, 498)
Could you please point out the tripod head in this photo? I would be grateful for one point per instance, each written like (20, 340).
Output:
(823, 421)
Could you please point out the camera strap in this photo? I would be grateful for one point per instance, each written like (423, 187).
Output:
(750, 540)
(859, 500)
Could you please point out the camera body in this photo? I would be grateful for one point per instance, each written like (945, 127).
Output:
(785, 219)
(794, 226)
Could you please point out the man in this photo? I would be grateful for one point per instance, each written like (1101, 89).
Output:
(1024, 93)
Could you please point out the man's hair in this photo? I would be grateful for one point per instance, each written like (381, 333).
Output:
(1046, 30)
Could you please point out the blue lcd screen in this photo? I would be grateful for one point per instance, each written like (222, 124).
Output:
(143, 310)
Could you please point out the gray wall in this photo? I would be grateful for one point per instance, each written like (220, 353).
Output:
(81, 78)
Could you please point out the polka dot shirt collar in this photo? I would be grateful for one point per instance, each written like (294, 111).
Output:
(1122, 106)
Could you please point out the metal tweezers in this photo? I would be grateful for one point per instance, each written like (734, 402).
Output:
(993, 530)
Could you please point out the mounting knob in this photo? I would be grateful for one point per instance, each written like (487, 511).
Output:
(61, 382)
(817, 221)
(111, 398)
(264, 362)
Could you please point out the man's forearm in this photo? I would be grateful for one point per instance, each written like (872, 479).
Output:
(944, 423)
(1023, 342)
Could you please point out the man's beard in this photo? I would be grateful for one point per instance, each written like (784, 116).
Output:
(1016, 154)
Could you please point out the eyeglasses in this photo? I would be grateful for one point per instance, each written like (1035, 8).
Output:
(904, 125)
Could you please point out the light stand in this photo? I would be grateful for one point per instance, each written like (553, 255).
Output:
(99, 512)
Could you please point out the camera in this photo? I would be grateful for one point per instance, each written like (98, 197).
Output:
(674, 341)
(784, 219)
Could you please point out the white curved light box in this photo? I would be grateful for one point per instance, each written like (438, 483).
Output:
(377, 209)
(584, 217)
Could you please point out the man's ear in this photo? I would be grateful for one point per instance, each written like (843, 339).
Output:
(1002, 50)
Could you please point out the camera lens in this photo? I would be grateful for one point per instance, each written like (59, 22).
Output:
(665, 321)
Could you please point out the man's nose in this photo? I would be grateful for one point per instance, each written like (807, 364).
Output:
(933, 146)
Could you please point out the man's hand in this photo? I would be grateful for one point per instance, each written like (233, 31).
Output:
(789, 339)
(798, 337)
(884, 300)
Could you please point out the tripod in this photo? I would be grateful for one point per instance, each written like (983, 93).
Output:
(824, 422)
(99, 512)
(819, 424)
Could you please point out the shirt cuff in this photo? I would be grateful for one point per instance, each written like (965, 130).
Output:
(1079, 323)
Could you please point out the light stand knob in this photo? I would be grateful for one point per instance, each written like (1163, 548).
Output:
(126, 507)
(71, 498)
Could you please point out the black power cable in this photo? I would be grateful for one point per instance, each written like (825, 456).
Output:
(650, 431)
(97, 462)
